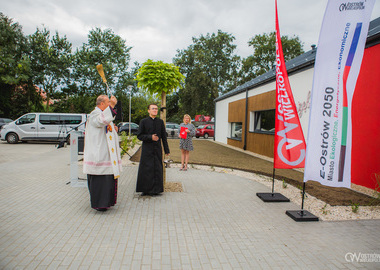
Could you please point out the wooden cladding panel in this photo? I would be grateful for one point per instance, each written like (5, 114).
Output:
(236, 111)
(262, 144)
(235, 143)
(265, 101)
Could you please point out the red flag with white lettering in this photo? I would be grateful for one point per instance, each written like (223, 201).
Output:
(289, 142)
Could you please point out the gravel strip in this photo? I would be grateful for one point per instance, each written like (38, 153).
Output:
(317, 207)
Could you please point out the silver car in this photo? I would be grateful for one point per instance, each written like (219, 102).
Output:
(43, 127)
(172, 130)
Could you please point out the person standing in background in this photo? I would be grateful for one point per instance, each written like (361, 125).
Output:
(186, 133)
(151, 132)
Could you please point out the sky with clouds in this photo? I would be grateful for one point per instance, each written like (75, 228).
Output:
(156, 29)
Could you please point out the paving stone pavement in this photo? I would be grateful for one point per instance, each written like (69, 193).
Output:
(216, 223)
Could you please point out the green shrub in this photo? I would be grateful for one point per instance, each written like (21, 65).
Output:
(126, 142)
(355, 207)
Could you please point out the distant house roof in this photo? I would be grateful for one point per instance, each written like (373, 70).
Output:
(301, 62)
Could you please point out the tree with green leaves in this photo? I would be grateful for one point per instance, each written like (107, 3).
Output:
(139, 108)
(18, 95)
(173, 108)
(264, 54)
(106, 48)
(123, 93)
(197, 97)
(210, 66)
(50, 61)
(15, 64)
(159, 78)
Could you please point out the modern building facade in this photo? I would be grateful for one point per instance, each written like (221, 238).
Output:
(244, 117)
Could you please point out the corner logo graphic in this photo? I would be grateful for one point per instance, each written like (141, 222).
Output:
(352, 6)
(361, 257)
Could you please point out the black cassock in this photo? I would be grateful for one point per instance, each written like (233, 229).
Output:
(150, 175)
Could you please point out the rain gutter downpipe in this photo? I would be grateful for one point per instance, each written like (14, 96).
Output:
(246, 119)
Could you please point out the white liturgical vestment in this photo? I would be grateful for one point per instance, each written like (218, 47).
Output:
(101, 149)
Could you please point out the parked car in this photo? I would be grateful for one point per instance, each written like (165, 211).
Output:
(205, 131)
(4, 121)
(172, 130)
(43, 127)
(121, 124)
(125, 128)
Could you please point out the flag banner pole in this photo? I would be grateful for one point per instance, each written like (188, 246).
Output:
(303, 195)
(289, 142)
(272, 196)
(302, 215)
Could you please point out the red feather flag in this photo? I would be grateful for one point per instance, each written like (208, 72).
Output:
(289, 142)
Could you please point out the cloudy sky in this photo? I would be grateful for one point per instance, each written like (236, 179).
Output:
(157, 28)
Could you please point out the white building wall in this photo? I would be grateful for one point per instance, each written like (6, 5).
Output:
(262, 89)
(222, 129)
(301, 84)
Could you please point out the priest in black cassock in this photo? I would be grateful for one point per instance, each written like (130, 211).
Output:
(151, 132)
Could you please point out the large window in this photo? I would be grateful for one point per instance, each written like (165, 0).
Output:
(26, 119)
(48, 119)
(70, 119)
(51, 119)
(262, 121)
(236, 130)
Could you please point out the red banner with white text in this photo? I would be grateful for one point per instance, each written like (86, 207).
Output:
(289, 142)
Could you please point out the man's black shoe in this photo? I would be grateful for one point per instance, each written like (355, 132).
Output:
(150, 194)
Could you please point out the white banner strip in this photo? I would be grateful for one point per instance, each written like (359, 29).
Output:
(337, 65)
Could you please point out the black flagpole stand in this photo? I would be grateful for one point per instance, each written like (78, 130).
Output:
(272, 197)
(302, 215)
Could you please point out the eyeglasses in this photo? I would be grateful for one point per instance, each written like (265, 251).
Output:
(154, 109)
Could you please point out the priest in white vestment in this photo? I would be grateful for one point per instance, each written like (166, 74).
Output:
(102, 162)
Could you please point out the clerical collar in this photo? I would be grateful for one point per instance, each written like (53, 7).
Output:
(152, 117)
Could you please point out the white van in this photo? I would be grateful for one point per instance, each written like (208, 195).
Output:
(43, 127)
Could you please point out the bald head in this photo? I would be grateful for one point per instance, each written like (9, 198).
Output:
(101, 99)
(102, 102)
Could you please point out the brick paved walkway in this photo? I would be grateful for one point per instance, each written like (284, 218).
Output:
(216, 223)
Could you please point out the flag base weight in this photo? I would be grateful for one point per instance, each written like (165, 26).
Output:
(272, 197)
(301, 215)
